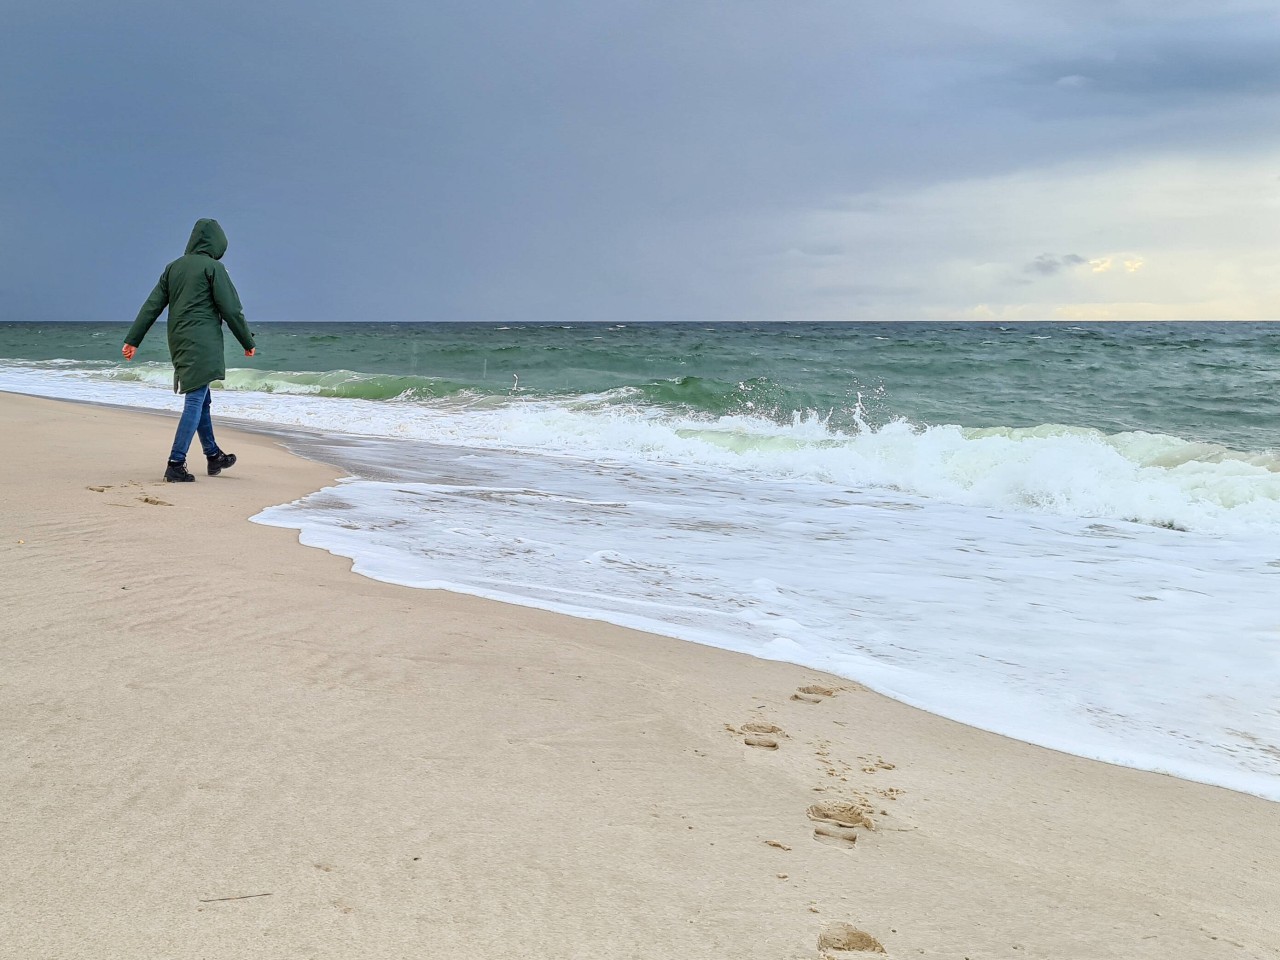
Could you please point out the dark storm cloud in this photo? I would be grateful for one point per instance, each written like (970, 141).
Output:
(1205, 58)
(1165, 71)
(552, 160)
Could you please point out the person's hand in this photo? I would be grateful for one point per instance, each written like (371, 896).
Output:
(129, 350)
(250, 353)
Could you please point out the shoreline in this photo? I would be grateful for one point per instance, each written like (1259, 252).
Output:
(577, 789)
(318, 447)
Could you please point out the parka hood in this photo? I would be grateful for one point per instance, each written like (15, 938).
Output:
(207, 238)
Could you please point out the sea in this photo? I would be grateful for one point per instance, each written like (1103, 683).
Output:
(1067, 533)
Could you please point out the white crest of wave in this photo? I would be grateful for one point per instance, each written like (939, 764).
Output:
(1151, 478)
(265, 381)
(1145, 477)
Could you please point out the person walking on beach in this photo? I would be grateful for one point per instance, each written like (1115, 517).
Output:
(200, 296)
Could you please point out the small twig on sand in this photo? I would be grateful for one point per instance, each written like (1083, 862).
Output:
(247, 896)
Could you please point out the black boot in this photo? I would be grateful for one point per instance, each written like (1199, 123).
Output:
(176, 472)
(220, 461)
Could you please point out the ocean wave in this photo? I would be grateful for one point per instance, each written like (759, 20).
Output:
(343, 384)
(1056, 469)
(1061, 469)
(760, 396)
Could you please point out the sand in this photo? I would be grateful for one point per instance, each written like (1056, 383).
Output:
(241, 749)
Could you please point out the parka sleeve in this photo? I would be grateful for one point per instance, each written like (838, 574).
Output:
(150, 311)
(227, 301)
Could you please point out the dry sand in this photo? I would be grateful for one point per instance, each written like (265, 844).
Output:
(216, 743)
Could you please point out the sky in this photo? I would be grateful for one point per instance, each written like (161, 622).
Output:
(627, 161)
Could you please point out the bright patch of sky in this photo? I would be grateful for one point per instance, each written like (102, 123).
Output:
(1161, 238)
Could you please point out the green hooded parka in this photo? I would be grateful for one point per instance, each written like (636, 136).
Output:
(200, 297)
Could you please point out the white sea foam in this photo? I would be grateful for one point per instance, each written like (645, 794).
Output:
(987, 575)
(1119, 641)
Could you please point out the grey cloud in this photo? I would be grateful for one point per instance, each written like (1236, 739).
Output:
(820, 250)
(1046, 264)
(1161, 63)
(861, 293)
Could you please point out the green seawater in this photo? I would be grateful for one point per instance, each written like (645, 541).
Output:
(1212, 382)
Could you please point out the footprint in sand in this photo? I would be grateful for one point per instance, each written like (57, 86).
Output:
(871, 764)
(846, 938)
(155, 501)
(762, 735)
(838, 822)
(814, 693)
(103, 489)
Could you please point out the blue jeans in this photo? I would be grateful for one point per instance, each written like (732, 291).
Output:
(195, 419)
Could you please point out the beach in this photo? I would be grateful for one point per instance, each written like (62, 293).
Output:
(218, 742)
